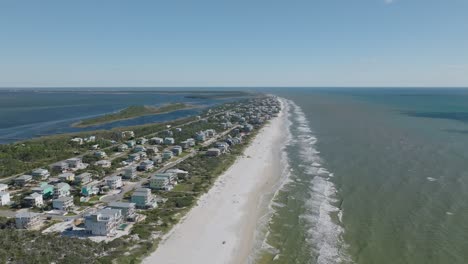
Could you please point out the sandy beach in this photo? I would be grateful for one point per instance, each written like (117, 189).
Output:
(222, 227)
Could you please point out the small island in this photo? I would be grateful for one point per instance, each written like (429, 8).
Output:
(132, 112)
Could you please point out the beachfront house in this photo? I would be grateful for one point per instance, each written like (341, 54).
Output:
(223, 146)
(89, 190)
(62, 203)
(143, 198)
(169, 141)
(62, 189)
(127, 209)
(213, 152)
(40, 174)
(114, 182)
(103, 222)
(34, 200)
(44, 189)
(22, 180)
(67, 177)
(83, 178)
(177, 150)
(129, 172)
(4, 198)
(247, 128)
(163, 181)
(27, 220)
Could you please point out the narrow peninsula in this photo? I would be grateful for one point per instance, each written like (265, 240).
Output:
(132, 112)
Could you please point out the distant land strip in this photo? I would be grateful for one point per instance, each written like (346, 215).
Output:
(132, 112)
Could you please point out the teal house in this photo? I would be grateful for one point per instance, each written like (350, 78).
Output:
(45, 189)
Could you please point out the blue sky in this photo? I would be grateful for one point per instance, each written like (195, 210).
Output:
(234, 43)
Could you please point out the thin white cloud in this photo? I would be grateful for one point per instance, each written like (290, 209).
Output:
(389, 2)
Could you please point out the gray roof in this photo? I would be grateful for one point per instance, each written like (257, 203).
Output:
(26, 214)
(121, 204)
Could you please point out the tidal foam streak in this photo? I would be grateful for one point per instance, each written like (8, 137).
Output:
(324, 234)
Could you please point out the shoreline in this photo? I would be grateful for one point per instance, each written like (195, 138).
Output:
(79, 124)
(222, 227)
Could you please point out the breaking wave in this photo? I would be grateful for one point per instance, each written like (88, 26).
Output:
(324, 234)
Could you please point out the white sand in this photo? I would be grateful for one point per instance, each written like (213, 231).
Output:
(221, 228)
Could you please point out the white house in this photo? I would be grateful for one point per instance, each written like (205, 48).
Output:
(27, 220)
(67, 177)
(62, 203)
(4, 198)
(156, 141)
(40, 174)
(3, 187)
(163, 181)
(103, 163)
(129, 172)
(100, 154)
(143, 198)
(114, 182)
(34, 200)
(76, 164)
(103, 222)
(83, 178)
(169, 141)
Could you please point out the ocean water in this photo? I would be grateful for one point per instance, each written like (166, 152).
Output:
(374, 176)
(30, 113)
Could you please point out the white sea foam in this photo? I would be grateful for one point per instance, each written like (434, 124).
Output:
(325, 236)
(431, 179)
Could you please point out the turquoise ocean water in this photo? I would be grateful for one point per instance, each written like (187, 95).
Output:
(374, 177)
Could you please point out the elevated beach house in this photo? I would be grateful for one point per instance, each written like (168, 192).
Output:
(4, 198)
(83, 178)
(40, 174)
(163, 181)
(127, 209)
(103, 222)
(22, 180)
(34, 200)
(129, 172)
(45, 189)
(143, 198)
(62, 189)
(27, 220)
(63, 203)
(114, 182)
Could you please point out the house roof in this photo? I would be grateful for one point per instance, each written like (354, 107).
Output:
(121, 204)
